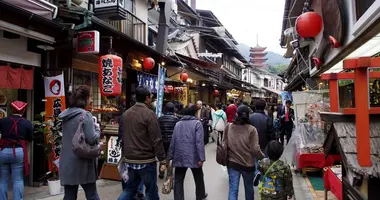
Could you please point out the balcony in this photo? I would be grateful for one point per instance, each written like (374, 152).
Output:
(131, 26)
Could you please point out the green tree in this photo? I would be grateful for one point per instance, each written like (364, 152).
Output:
(278, 69)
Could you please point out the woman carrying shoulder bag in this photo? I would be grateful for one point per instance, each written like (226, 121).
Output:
(243, 149)
(75, 170)
(219, 121)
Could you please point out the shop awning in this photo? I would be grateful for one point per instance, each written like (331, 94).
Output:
(18, 20)
(272, 90)
(201, 63)
(133, 45)
(199, 67)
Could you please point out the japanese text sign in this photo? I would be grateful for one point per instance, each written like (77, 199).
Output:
(110, 75)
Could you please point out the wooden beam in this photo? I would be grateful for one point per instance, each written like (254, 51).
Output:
(352, 111)
(363, 145)
(346, 76)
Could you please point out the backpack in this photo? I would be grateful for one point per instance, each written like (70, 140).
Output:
(270, 184)
(80, 147)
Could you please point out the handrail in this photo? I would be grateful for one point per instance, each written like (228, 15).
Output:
(131, 26)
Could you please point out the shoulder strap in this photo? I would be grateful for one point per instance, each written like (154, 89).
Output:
(226, 133)
(270, 167)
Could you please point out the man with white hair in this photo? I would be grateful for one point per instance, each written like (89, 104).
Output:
(203, 116)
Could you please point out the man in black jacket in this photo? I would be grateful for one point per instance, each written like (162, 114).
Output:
(262, 123)
(286, 118)
(167, 123)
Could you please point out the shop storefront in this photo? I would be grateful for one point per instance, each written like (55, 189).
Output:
(25, 36)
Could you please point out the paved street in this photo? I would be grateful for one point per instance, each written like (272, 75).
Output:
(216, 180)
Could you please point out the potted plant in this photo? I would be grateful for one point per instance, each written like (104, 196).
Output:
(52, 133)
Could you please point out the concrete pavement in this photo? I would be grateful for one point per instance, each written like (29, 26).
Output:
(216, 181)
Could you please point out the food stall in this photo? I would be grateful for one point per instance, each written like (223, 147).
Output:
(305, 149)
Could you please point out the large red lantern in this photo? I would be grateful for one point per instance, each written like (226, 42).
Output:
(148, 63)
(110, 75)
(309, 24)
(216, 92)
(184, 76)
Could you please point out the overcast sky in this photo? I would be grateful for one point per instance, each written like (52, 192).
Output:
(244, 19)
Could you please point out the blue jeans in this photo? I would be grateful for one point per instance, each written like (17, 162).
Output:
(148, 175)
(12, 164)
(71, 191)
(140, 189)
(234, 180)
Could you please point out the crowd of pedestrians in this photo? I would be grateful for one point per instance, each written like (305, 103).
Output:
(256, 138)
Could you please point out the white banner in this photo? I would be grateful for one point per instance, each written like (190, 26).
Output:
(54, 86)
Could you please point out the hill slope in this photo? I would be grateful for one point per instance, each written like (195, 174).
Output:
(274, 59)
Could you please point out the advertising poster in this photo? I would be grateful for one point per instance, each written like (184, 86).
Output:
(286, 96)
(54, 105)
(148, 80)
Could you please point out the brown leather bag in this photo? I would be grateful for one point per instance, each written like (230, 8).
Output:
(222, 149)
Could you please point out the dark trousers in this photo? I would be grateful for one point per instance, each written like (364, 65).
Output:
(148, 175)
(179, 177)
(71, 191)
(206, 133)
(287, 130)
(166, 148)
(220, 138)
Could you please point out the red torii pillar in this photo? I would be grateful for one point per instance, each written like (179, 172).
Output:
(362, 108)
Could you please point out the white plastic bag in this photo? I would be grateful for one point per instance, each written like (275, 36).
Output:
(123, 170)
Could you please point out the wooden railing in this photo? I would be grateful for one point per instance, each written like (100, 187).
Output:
(131, 26)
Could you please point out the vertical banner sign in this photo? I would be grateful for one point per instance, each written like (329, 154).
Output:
(55, 104)
(114, 151)
(161, 90)
(110, 75)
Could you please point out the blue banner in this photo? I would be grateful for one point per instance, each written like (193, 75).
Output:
(148, 80)
(161, 90)
(286, 96)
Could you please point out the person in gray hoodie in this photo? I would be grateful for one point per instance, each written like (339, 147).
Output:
(73, 170)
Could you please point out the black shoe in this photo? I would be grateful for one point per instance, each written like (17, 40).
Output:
(139, 196)
(256, 179)
(206, 195)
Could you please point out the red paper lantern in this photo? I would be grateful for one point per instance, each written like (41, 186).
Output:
(184, 76)
(309, 24)
(110, 75)
(216, 92)
(148, 63)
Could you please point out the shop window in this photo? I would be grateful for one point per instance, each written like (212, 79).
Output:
(89, 79)
(130, 6)
(362, 6)
(346, 94)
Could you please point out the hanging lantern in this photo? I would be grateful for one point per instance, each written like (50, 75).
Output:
(148, 63)
(184, 76)
(110, 75)
(216, 92)
(309, 24)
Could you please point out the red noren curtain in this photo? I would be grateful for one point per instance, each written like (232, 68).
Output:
(27, 77)
(14, 77)
(4, 75)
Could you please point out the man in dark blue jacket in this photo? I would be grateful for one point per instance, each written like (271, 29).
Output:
(167, 123)
(262, 123)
